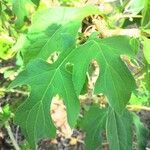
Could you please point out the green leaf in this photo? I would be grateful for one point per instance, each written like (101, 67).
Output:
(20, 10)
(135, 44)
(135, 6)
(36, 2)
(0, 8)
(119, 130)
(93, 123)
(146, 31)
(115, 80)
(146, 79)
(141, 132)
(5, 114)
(146, 49)
(53, 30)
(45, 81)
(146, 15)
(6, 43)
(55, 80)
(137, 100)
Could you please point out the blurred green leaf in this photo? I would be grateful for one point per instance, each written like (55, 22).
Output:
(36, 2)
(135, 6)
(146, 49)
(146, 31)
(141, 132)
(147, 77)
(0, 8)
(21, 9)
(114, 74)
(135, 100)
(146, 15)
(6, 43)
(5, 114)
(135, 43)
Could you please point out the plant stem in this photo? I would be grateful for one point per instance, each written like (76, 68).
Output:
(138, 107)
(105, 31)
(121, 16)
(18, 91)
(134, 32)
(14, 91)
(15, 144)
(84, 98)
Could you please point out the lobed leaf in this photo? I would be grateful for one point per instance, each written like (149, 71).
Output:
(45, 81)
(46, 36)
(115, 80)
